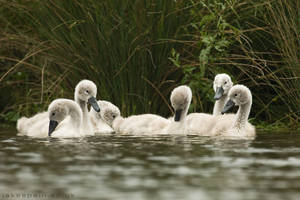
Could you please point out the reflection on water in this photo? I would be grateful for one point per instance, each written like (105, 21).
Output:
(161, 167)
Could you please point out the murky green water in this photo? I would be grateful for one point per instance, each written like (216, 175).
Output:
(164, 167)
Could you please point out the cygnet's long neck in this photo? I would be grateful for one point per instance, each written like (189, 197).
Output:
(242, 115)
(183, 115)
(179, 127)
(75, 114)
(82, 104)
(219, 105)
(85, 113)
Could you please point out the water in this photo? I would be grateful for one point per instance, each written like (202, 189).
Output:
(164, 167)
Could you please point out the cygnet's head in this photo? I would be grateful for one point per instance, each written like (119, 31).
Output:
(106, 107)
(109, 113)
(86, 91)
(58, 111)
(222, 85)
(238, 95)
(181, 99)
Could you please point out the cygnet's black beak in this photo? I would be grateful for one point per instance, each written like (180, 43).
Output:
(52, 125)
(177, 115)
(230, 104)
(219, 93)
(93, 102)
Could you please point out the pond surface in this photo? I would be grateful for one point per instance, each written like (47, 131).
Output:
(162, 167)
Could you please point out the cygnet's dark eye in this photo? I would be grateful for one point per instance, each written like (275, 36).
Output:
(87, 91)
(53, 114)
(225, 82)
(235, 94)
(113, 116)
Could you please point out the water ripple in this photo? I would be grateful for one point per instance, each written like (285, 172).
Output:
(159, 167)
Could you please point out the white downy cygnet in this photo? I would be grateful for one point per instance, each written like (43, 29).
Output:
(180, 99)
(101, 121)
(110, 113)
(222, 85)
(61, 127)
(236, 125)
(203, 123)
(37, 126)
(86, 92)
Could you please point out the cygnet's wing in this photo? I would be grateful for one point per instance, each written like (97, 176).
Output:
(24, 123)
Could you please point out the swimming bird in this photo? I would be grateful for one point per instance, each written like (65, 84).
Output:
(203, 123)
(236, 125)
(61, 127)
(180, 99)
(101, 121)
(85, 93)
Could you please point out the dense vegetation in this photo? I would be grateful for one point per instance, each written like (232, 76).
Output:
(138, 51)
